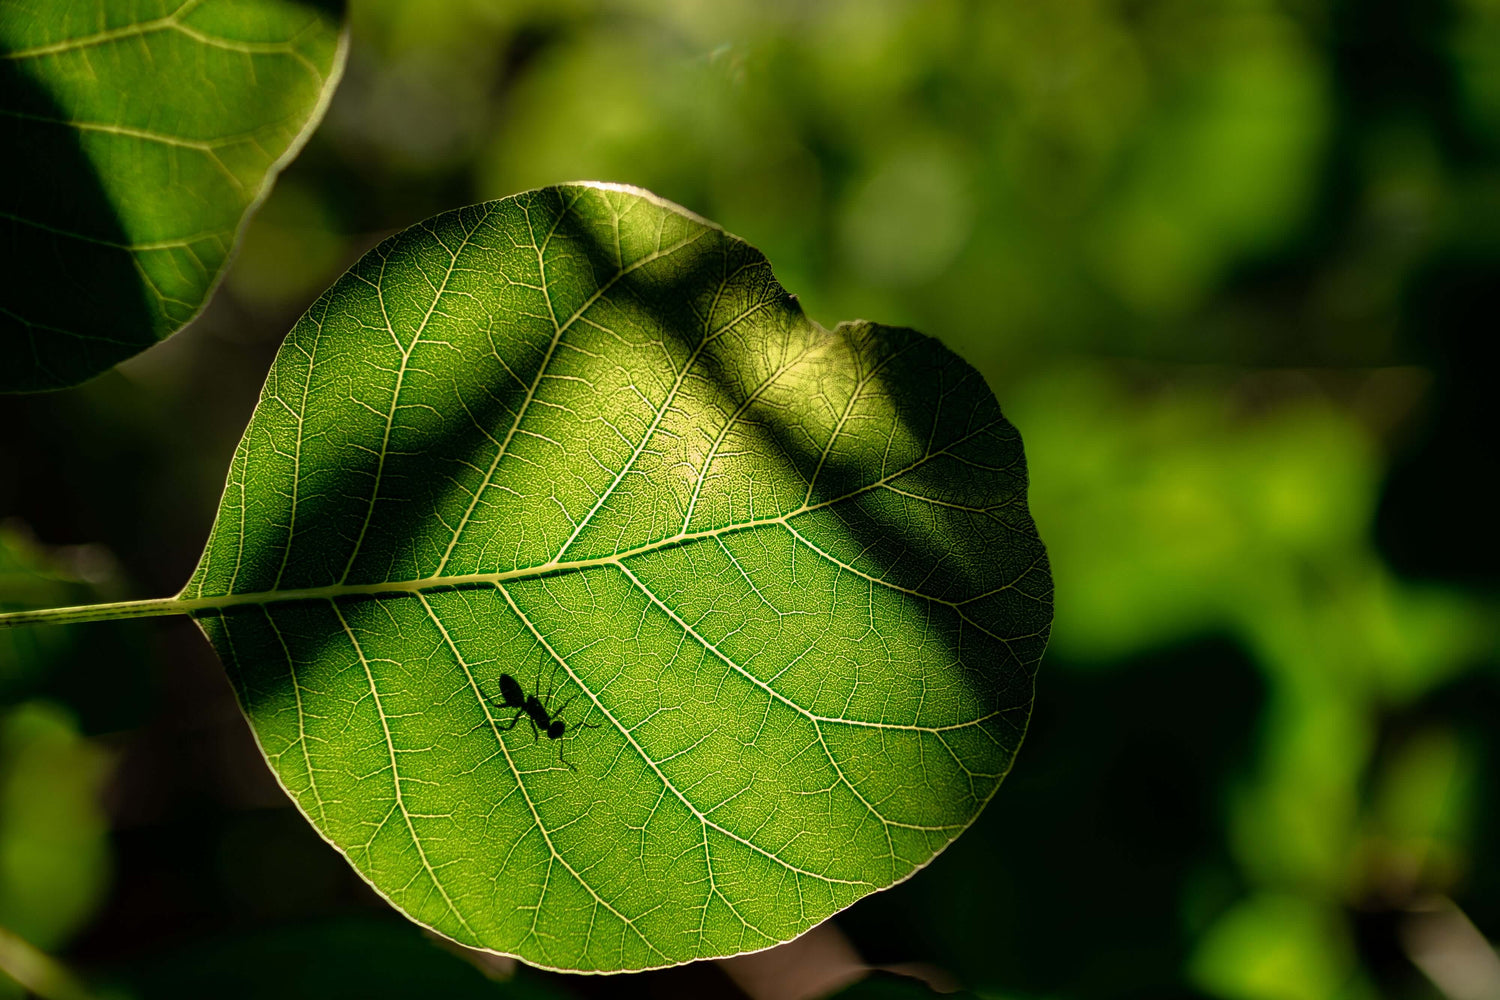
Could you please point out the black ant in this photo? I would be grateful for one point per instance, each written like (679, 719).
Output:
(543, 722)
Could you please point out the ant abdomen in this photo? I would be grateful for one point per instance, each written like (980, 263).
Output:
(511, 694)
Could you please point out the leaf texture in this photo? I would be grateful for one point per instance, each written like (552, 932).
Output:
(138, 137)
(780, 582)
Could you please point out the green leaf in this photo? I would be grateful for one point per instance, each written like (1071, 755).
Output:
(779, 583)
(138, 137)
(54, 836)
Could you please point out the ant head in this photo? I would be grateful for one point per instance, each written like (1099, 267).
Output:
(555, 731)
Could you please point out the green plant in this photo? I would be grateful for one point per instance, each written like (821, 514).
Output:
(782, 579)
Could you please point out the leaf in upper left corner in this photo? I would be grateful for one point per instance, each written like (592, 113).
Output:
(139, 135)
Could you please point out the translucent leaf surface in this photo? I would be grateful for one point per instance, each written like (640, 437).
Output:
(138, 135)
(779, 582)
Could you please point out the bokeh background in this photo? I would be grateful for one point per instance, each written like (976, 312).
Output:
(1230, 268)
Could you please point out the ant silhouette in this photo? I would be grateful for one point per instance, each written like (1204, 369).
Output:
(530, 707)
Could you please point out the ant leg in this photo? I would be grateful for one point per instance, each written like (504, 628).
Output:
(503, 727)
(564, 707)
(551, 691)
(573, 725)
(538, 687)
(563, 760)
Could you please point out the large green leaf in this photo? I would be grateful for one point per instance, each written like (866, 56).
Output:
(781, 583)
(138, 136)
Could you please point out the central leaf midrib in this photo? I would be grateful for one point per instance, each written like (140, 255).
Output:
(553, 566)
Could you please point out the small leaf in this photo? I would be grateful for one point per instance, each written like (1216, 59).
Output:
(138, 137)
(779, 582)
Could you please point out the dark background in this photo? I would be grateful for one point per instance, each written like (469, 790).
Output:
(1229, 267)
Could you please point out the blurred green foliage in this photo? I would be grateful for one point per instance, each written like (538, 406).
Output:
(53, 855)
(1230, 268)
(54, 851)
(354, 958)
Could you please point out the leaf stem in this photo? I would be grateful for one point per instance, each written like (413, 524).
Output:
(96, 612)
